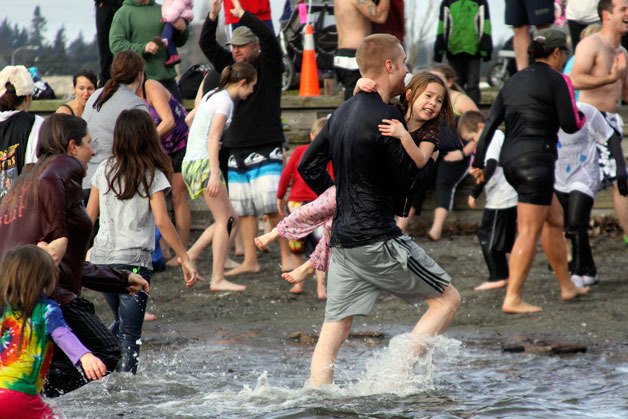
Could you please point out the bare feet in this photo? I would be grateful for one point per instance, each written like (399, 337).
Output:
(149, 317)
(491, 285)
(299, 274)
(174, 262)
(224, 285)
(231, 264)
(519, 306)
(243, 269)
(574, 293)
(431, 237)
(265, 239)
(297, 288)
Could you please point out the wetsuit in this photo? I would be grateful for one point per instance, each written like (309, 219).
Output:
(534, 104)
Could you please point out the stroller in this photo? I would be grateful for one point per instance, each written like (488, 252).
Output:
(291, 39)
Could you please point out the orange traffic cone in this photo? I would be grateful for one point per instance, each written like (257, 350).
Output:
(309, 73)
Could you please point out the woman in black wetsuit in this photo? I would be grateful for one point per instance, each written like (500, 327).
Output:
(534, 104)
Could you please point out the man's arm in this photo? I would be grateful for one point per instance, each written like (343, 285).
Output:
(377, 13)
(495, 117)
(119, 35)
(586, 54)
(313, 165)
(217, 55)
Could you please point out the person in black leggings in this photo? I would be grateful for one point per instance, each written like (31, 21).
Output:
(534, 104)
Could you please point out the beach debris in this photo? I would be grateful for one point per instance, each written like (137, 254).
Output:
(540, 346)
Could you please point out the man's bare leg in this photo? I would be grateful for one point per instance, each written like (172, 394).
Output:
(553, 242)
(248, 230)
(332, 336)
(440, 312)
(620, 203)
(321, 290)
(530, 220)
(520, 43)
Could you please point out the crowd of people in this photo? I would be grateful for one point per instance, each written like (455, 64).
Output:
(83, 192)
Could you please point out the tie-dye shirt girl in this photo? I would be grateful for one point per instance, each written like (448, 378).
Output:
(25, 353)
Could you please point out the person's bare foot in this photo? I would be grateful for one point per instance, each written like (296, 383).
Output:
(174, 262)
(224, 285)
(265, 239)
(243, 269)
(491, 285)
(299, 274)
(149, 317)
(519, 307)
(297, 288)
(231, 264)
(574, 293)
(432, 237)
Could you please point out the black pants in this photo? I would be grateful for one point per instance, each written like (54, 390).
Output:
(105, 9)
(497, 236)
(63, 376)
(467, 68)
(577, 212)
(448, 176)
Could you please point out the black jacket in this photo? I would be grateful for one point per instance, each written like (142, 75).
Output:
(256, 120)
(374, 175)
(534, 104)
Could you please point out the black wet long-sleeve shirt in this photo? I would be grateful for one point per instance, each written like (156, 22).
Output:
(534, 104)
(373, 174)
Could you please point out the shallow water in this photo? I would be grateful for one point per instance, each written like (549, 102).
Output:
(255, 375)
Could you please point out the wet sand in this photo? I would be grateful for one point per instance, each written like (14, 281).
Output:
(598, 320)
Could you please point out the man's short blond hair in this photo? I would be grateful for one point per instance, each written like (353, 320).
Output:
(374, 51)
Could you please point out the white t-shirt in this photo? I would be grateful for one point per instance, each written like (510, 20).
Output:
(583, 11)
(577, 167)
(211, 104)
(127, 227)
(499, 193)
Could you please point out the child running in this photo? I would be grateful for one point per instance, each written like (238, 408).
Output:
(201, 169)
(577, 181)
(28, 323)
(499, 220)
(429, 107)
(128, 189)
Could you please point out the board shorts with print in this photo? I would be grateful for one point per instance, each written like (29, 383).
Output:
(196, 175)
(253, 176)
(608, 165)
(399, 266)
(529, 12)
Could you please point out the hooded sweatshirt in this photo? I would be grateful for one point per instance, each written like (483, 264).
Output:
(136, 24)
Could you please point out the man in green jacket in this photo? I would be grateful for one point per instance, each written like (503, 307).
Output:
(137, 27)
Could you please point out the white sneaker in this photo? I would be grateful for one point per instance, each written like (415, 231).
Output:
(590, 280)
(578, 281)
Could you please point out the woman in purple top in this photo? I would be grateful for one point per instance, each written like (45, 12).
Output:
(169, 116)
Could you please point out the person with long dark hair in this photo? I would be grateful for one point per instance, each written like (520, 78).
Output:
(534, 104)
(105, 105)
(45, 207)
(128, 191)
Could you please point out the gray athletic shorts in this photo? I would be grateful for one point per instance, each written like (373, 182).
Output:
(356, 277)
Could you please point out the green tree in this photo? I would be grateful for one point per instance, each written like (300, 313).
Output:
(38, 28)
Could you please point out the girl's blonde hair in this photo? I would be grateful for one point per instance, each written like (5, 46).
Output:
(417, 85)
(27, 272)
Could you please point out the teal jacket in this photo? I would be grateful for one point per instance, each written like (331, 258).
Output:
(134, 25)
(464, 26)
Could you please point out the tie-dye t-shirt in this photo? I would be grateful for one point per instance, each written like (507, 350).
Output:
(25, 371)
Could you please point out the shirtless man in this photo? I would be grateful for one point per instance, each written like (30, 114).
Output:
(599, 71)
(353, 22)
